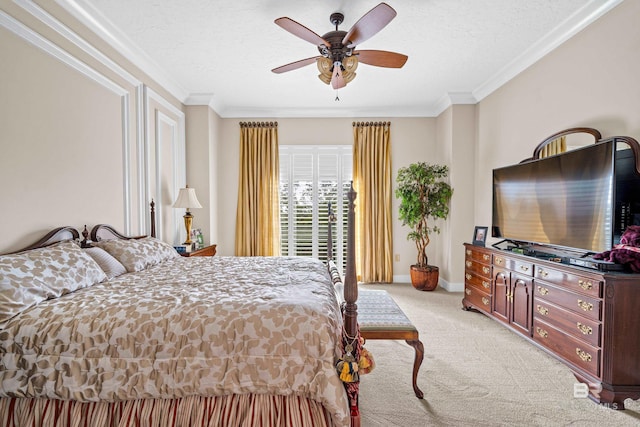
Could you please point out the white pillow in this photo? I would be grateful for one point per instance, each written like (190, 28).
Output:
(138, 254)
(111, 266)
(30, 277)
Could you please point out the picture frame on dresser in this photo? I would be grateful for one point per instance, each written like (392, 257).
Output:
(480, 235)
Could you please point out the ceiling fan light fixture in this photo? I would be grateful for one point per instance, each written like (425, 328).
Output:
(326, 67)
(337, 48)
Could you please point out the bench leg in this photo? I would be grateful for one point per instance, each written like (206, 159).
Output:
(417, 345)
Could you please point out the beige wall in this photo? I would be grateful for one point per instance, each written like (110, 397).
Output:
(85, 137)
(50, 167)
(591, 80)
(457, 136)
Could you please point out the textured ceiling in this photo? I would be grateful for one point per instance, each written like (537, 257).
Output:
(221, 52)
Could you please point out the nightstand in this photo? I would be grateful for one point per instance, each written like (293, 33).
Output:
(206, 251)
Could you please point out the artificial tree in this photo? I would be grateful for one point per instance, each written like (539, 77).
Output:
(424, 196)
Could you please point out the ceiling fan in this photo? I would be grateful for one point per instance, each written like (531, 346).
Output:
(338, 58)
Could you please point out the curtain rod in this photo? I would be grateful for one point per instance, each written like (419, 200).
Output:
(258, 124)
(360, 124)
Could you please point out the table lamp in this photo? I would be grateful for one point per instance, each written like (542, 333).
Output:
(187, 199)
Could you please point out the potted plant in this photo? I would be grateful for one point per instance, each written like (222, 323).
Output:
(424, 196)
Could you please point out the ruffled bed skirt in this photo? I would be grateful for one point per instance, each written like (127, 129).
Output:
(232, 411)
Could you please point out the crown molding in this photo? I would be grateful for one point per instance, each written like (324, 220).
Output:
(453, 98)
(89, 16)
(64, 31)
(563, 32)
(240, 112)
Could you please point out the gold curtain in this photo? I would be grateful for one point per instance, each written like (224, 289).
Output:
(372, 181)
(258, 212)
(556, 146)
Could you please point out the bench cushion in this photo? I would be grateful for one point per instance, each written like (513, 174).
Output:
(377, 311)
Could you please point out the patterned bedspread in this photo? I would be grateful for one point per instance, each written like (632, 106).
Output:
(188, 326)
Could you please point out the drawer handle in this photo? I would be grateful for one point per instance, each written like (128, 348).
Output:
(586, 330)
(524, 268)
(586, 285)
(468, 264)
(467, 291)
(485, 257)
(543, 291)
(542, 273)
(485, 300)
(485, 270)
(586, 306)
(486, 285)
(499, 260)
(542, 310)
(468, 252)
(467, 276)
(542, 332)
(586, 357)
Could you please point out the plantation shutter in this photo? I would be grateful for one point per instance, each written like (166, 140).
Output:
(310, 179)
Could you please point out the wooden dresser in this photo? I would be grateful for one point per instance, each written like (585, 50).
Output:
(589, 320)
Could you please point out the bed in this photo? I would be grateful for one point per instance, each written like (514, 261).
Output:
(126, 332)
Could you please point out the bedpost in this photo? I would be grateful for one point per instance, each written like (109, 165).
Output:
(331, 218)
(153, 218)
(350, 308)
(350, 280)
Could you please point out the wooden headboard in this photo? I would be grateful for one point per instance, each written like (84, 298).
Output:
(107, 232)
(54, 236)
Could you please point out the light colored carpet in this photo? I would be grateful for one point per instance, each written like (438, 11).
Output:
(475, 372)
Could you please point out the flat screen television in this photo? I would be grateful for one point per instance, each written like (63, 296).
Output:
(564, 201)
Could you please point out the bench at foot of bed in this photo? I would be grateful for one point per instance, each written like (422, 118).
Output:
(380, 318)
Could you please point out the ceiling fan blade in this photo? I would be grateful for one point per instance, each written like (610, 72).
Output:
(337, 81)
(301, 31)
(381, 58)
(367, 26)
(295, 65)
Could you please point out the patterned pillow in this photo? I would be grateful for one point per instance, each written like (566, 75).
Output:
(30, 277)
(111, 266)
(138, 254)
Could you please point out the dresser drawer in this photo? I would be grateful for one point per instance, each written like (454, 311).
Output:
(476, 281)
(517, 265)
(583, 284)
(478, 268)
(574, 324)
(479, 299)
(478, 255)
(577, 303)
(569, 348)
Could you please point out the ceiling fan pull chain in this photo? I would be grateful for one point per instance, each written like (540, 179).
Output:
(337, 98)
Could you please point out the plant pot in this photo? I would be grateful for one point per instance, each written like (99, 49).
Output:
(424, 278)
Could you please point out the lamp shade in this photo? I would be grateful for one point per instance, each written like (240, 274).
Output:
(187, 199)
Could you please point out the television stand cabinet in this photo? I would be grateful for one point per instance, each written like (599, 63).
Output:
(587, 319)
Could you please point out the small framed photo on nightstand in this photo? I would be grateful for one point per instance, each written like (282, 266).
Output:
(480, 235)
(198, 238)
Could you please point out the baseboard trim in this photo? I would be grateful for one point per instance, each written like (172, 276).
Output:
(449, 287)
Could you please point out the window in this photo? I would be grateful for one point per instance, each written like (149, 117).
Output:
(311, 178)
